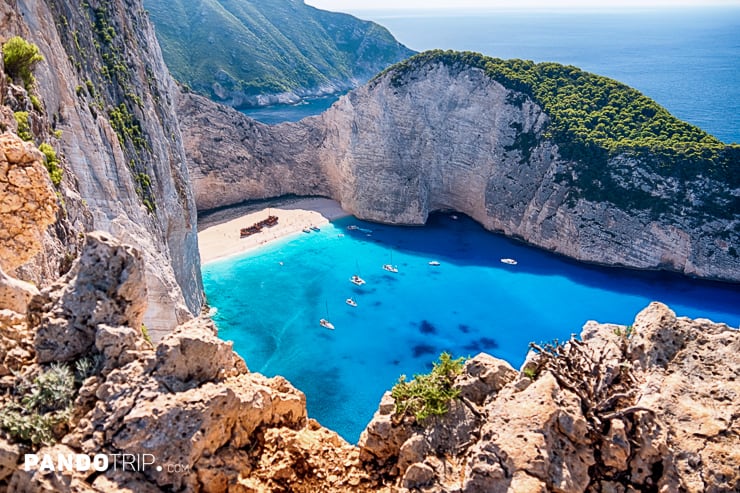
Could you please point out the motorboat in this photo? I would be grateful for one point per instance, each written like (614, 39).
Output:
(357, 280)
(326, 324)
(434, 263)
(350, 302)
(509, 261)
(315, 228)
(353, 227)
(306, 230)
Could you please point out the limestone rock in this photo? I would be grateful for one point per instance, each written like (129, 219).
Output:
(27, 201)
(106, 286)
(15, 294)
(9, 455)
(194, 354)
(616, 449)
(417, 476)
(665, 422)
(483, 376)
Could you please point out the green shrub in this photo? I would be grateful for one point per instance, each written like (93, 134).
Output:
(24, 128)
(36, 102)
(430, 394)
(52, 163)
(20, 57)
(39, 407)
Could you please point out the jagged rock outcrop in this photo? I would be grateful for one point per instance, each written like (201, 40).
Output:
(106, 107)
(439, 137)
(649, 407)
(190, 403)
(105, 287)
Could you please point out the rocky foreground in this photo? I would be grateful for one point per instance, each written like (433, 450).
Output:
(650, 407)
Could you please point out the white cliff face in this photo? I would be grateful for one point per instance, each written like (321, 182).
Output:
(459, 141)
(104, 175)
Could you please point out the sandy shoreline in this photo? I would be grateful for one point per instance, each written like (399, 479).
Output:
(218, 234)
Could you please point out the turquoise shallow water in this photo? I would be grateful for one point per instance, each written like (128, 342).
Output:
(470, 303)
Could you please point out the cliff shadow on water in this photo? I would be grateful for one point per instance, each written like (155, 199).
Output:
(453, 241)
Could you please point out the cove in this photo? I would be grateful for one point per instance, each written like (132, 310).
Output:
(269, 302)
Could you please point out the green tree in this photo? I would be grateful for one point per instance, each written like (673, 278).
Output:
(20, 57)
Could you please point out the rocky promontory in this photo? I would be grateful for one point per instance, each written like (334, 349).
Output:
(440, 135)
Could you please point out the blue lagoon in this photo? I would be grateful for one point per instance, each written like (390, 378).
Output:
(270, 301)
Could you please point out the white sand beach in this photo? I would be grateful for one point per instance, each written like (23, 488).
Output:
(218, 234)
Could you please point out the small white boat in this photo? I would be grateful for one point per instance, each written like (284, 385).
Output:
(454, 217)
(315, 228)
(350, 302)
(434, 263)
(509, 261)
(324, 322)
(306, 230)
(390, 268)
(357, 280)
(353, 227)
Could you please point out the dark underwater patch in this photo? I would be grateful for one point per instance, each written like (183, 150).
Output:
(426, 327)
(488, 343)
(423, 350)
(465, 329)
(482, 344)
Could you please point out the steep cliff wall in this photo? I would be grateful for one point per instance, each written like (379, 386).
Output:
(105, 96)
(451, 137)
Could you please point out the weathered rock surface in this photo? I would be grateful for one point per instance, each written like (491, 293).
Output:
(105, 87)
(106, 286)
(27, 201)
(447, 139)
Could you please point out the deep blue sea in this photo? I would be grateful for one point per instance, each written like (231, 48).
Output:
(687, 59)
(269, 302)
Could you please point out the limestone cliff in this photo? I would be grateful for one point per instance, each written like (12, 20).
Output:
(437, 136)
(102, 101)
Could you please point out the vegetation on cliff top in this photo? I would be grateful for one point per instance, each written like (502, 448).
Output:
(267, 46)
(594, 118)
(430, 394)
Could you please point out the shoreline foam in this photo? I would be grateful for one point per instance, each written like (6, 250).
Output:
(218, 234)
